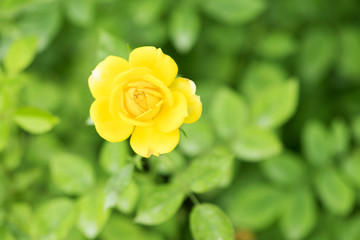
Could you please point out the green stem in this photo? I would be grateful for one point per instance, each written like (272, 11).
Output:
(137, 162)
(192, 197)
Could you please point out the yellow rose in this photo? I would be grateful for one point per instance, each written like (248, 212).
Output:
(143, 98)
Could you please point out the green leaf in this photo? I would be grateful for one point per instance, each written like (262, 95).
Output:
(117, 184)
(208, 172)
(317, 54)
(3, 188)
(42, 148)
(146, 12)
(277, 45)
(3, 96)
(31, 22)
(92, 214)
(322, 235)
(37, 89)
(127, 199)
(199, 137)
(334, 192)
(160, 205)
(2, 218)
(54, 219)
(20, 54)
(234, 11)
(255, 207)
(285, 168)
(356, 128)
(275, 105)
(220, 67)
(13, 154)
(350, 229)
(229, 112)
(224, 38)
(350, 52)
(34, 120)
(316, 143)
(6, 235)
(171, 229)
(254, 144)
(123, 227)
(208, 222)
(299, 214)
(340, 136)
(80, 12)
(27, 178)
(150, 35)
(167, 164)
(185, 26)
(111, 45)
(75, 234)
(351, 167)
(113, 156)
(261, 76)
(20, 216)
(71, 173)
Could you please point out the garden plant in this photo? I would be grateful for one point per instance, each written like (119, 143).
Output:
(179, 119)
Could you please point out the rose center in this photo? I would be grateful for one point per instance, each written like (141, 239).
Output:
(141, 98)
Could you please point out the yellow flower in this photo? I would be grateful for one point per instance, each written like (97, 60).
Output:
(143, 98)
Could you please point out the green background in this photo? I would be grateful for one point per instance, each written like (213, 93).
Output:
(275, 155)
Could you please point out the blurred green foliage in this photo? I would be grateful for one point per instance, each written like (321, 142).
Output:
(276, 154)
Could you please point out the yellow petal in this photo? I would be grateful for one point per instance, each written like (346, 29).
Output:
(165, 90)
(102, 78)
(171, 117)
(184, 85)
(147, 141)
(188, 88)
(134, 74)
(163, 66)
(151, 113)
(110, 127)
(194, 109)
